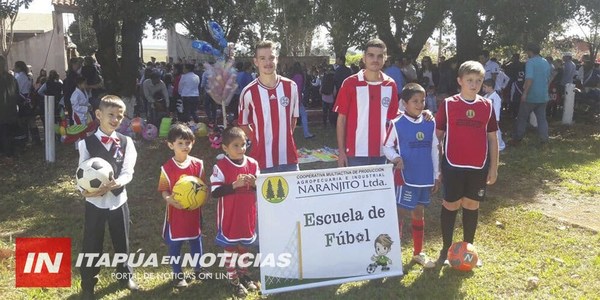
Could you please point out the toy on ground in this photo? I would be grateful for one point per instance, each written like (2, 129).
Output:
(190, 192)
(92, 173)
(462, 256)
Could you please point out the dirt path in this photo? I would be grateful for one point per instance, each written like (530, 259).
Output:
(583, 211)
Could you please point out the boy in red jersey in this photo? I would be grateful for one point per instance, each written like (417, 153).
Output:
(181, 224)
(467, 124)
(268, 113)
(365, 103)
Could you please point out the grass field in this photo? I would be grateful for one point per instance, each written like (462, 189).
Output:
(515, 241)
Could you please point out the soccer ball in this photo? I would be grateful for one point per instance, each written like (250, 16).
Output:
(190, 192)
(92, 173)
(462, 256)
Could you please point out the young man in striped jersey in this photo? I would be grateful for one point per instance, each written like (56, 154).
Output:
(365, 103)
(268, 113)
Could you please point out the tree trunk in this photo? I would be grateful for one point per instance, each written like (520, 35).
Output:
(106, 54)
(432, 17)
(131, 33)
(468, 42)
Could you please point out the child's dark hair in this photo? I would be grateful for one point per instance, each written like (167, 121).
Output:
(489, 82)
(180, 131)
(231, 134)
(410, 89)
(110, 101)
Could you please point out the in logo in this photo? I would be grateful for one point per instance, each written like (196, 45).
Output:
(470, 113)
(284, 101)
(275, 189)
(420, 136)
(385, 101)
(43, 262)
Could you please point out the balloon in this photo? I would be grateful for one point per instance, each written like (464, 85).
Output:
(150, 132)
(203, 47)
(124, 125)
(216, 31)
(137, 125)
(223, 43)
(202, 130)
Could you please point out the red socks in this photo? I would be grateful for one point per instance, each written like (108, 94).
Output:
(417, 234)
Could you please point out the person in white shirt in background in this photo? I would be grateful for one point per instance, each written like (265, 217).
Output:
(491, 67)
(491, 94)
(188, 89)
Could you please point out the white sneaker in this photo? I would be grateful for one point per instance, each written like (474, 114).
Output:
(423, 261)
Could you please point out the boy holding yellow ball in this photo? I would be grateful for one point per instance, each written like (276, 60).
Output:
(180, 224)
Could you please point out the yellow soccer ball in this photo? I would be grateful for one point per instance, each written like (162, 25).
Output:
(190, 192)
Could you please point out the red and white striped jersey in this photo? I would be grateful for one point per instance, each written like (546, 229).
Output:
(368, 106)
(270, 112)
(466, 124)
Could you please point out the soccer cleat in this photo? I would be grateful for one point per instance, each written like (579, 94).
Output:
(443, 258)
(422, 259)
(248, 283)
(179, 280)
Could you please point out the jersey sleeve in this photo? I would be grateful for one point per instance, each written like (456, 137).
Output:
(217, 179)
(342, 102)
(295, 100)
(394, 104)
(492, 124)
(390, 142)
(163, 181)
(440, 117)
(435, 156)
(244, 116)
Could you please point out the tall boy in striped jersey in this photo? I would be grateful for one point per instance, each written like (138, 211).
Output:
(268, 113)
(470, 161)
(365, 103)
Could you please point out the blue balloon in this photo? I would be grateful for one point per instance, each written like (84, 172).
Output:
(203, 47)
(216, 31)
(223, 43)
(216, 52)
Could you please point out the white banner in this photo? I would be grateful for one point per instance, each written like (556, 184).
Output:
(335, 225)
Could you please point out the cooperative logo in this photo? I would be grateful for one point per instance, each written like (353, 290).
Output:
(43, 262)
(470, 114)
(275, 189)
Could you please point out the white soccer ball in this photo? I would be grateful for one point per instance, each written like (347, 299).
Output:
(92, 173)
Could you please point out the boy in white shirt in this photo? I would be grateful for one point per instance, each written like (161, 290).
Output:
(490, 93)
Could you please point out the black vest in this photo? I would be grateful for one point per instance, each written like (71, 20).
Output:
(97, 149)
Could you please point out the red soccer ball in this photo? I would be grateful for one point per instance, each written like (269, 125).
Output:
(462, 256)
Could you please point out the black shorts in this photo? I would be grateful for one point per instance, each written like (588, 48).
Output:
(463, 182)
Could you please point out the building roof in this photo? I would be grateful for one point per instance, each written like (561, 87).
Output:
(64, 2)
(67, 6)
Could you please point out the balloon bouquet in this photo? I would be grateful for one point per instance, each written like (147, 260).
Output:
(137, 126)
(222, 83)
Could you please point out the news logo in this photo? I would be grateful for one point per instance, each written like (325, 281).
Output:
(43, 262)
